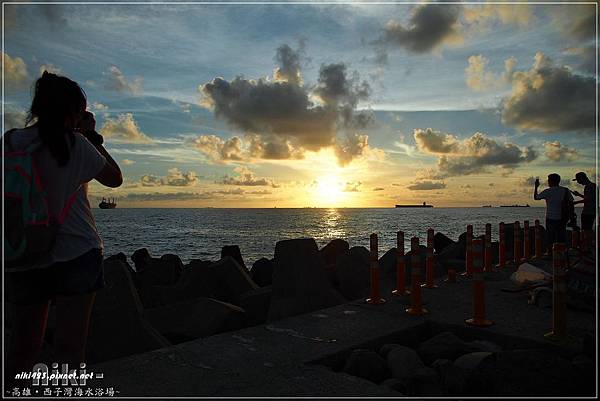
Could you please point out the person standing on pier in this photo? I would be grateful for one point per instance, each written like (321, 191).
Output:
(588, 213)
(559, 208)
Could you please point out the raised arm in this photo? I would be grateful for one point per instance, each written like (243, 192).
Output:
(535, 189)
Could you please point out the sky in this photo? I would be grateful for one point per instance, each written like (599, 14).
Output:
(320, 105)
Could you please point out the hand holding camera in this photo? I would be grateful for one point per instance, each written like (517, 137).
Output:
(87, 127)
(537, 182)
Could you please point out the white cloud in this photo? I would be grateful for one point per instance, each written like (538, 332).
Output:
(124, 129)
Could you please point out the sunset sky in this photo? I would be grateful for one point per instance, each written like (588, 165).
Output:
(245, 105)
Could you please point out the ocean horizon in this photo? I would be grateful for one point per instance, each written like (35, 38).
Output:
(200, 233)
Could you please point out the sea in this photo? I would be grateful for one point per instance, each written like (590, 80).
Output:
(201, 233)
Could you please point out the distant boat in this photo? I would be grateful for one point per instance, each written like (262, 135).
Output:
(486, 206)
(527, 205)
(107, 204)
(423, 205)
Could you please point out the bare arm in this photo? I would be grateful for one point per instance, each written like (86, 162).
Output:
(110, 175)
(535, 190)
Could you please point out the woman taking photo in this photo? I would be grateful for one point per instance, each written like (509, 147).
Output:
(70, 154)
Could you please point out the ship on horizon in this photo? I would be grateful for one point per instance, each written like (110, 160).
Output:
(107, 204)
(422, 205)
(526, 205)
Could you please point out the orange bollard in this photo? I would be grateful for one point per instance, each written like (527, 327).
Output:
(517, 252)
(451, 276)
(501, 247)
(538, 240)
(559, 294)
(469, 251)
(526, 246)
(429, 269)
(478, 318)
(375, 298)
(487, 267)
(400, 266)
(416, 301)
(575, 239)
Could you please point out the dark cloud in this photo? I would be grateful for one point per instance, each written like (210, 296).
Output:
(430, 26)
(551, 99)
(217, 149)
(174, 178)
(282, 118)
(426, 186)
(584, 58)
(116, 81)
(352, 186)
(245, 177)
(469, 156)
(557, 152)
(378, 189)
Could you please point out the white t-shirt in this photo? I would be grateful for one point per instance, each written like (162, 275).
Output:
(77, 235)
(554, 197)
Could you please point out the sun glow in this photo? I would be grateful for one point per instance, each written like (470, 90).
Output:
(328, 191)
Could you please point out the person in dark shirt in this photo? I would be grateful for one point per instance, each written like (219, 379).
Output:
(588, 213)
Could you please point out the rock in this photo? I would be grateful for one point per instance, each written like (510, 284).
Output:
(191, 319)
(387, 263)
(173, 266)
(396, 384)
(403, 362)
(262, 272)
(366, 364)
(440, 242)
(478, 368)
(229, 280)
(118, 327)
(445, 345)
(234, 252)
(352, 270)
(141, 258)
(425, 383)
(386, 348)
(119, 256)
(333, 250)
(299, 281)
(484, 345)
(256, 304)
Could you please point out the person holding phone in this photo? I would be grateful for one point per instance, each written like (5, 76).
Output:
(559, 203)
(70, 156)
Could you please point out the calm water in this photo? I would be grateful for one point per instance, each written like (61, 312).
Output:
(200, 233)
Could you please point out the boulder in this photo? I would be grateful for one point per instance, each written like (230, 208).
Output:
(299, 281)
(387, 263)
(191, 319)
(333, 250)
(484, 345)
(352, 270)
(396, 384)
(262, 272)
(478, 373)
(229, 280)
(366, 364)
(234, 252)
(445, 345)
(119, 256)
(386, 348)
(156, 271)
(141, 258)
(117, 326)
(256, 305)
(441, 242)
(425, 383)
(403, 362)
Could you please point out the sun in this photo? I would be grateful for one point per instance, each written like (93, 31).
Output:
(328, 191)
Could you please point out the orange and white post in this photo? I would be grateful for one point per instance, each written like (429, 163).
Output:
(487, 267)
(469, 251)
(526, 244)
(518, 249)
(501, 247)
(451, 276)
(400, 266)
(559, 294)
(429, 268)
(538, 240)
(375, 298)
(478, 318)
(416, 299)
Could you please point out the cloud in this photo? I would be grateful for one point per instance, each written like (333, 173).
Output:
(219, 150)
(430, 26)
(95, 106)
(557, 152)
(426, 186)
(116, 81)
(483, 16)
(472, 155)
(435, 142)
(550, 99)
(127, 162)
(166, 196)
(123, 129)
(15, 72)
(378, 189)
(14, 118)
(585, 57)
(479, 78)
(174, 178)
(246, 177)
(353, 146)
(527, 181)
(352, 186)
(282, 118)
(577, 22)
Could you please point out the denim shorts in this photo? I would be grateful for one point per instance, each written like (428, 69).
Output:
(82, 275)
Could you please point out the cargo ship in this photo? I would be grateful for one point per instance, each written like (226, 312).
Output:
(527, 205)
(423, 205)
(107, 204)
